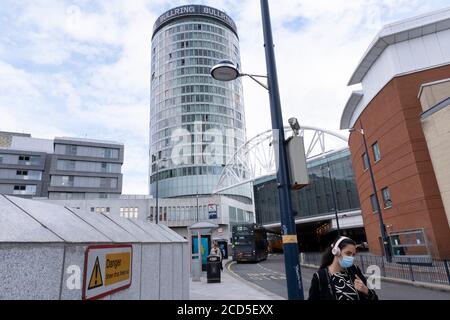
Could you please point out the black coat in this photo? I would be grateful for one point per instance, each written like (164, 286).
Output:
(320, 289)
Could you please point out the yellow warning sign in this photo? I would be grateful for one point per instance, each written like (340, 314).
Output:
(117, 267)
(96, 276)
(107, 269)
(289, 238)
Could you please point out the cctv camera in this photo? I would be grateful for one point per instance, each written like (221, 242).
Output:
(295, 126)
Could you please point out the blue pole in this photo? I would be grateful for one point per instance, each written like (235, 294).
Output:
(288, 230)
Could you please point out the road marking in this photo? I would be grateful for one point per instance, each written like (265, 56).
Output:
(274, 296)
(264, 276)
(270, 270)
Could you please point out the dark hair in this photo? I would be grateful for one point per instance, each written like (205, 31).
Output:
(328, 256)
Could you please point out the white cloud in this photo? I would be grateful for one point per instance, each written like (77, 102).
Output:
(78, 68)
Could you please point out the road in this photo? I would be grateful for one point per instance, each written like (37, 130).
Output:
(270, 275)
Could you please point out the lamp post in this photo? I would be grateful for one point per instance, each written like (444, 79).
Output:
(334, 198)
(157, 187)
(197, 206)
(227, 71)
(383, 232)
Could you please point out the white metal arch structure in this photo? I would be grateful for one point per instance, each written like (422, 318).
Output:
(256, 158)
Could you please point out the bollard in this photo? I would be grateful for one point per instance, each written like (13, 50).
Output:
(383, 268)
(410, 269)
(196, 269)
(447, 270)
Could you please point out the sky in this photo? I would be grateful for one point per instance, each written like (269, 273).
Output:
(81, 68)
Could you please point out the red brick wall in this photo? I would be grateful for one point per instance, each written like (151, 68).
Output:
(393, 120)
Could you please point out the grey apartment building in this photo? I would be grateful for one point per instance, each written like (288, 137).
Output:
(62, 168)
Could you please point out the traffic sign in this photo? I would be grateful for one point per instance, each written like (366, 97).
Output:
(107, 269)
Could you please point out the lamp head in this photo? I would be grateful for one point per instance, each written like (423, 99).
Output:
(225, 70)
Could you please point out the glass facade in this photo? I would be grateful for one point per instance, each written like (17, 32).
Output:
(83, 182)
(196, 122)
(316, 198)
(86, 166)
(81, 195)
(25, 190)
(20, 174)
(181, 214)
(20, 159)
(84, 151)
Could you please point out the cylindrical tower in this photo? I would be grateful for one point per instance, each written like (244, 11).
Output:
(196, 122)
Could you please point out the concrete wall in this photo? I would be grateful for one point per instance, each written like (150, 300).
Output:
(436, 128)
(42, 247)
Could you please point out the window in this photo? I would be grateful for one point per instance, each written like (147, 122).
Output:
(376, 152)
(71, 150)
(67, 181)
(365, 161)
(373, 200)
(104, 182)
(386, 198)
(151, 214)
(25, 190)
(64, 180)
(92, 209)
(108, 153)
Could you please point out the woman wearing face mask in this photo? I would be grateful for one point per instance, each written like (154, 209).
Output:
(338, 278)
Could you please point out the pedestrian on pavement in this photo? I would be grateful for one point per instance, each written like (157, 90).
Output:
(338, 278)
(216, 251)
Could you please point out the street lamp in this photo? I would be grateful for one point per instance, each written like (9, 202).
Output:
(227, 71)
(197, 206)
(157, 187)
(377, 202)
(334, 198)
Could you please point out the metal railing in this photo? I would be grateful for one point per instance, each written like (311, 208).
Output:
(406, 268)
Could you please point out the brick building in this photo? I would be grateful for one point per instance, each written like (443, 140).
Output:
(403, 57)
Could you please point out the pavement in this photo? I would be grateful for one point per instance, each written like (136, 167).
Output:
(231, 287)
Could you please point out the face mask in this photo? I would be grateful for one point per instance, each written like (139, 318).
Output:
(346, 261)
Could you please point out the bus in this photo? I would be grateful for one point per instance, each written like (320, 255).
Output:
(249, 243)
(275, 244)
